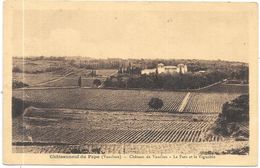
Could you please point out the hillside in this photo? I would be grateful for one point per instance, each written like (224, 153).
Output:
(123, 100)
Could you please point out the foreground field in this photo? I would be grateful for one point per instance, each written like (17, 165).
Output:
(83, 126)
(124, 100)
(56, 130)
(203, 149)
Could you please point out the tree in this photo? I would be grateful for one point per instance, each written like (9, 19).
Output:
(93, 73)
(234, 115)
(155, 103)
(18, 106)
(236, 110)
(18, 84)
(79, 81)
(17, 69)
(97, 82)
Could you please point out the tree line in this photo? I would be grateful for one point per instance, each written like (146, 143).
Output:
(166, 81)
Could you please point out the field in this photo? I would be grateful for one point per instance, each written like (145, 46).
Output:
(32, 79)
(208, 102)
(64, 118)
(202, 149)
(39, 73)
(106, 72)
(32, 66)
(227, 88)
(123, 100)
(67, 130)
(73, 82)
(80, 127)
(87, 80)
(37, 78)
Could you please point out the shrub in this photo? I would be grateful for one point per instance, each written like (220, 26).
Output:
(18, 107)
(236, 110)
(97, 151)
(115, 82)
(155, 103)
(233, 114)
(18, 84)
(78, 151)
(97, 82)
(17, 69)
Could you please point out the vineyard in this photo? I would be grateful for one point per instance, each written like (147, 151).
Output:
(32, 79)
(65, 130)
(38, 78)
(227, 88)
(64, 118)
(73, 81)
(46, 73)
(82, 126)
(124, 100)
(32, 66)
(136, 148)
(208, 102)
(106, 72)
(101, 99)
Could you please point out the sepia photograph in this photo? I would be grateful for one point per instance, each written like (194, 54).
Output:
(132, 80)
(86, 105)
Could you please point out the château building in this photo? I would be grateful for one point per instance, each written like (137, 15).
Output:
(161, 68)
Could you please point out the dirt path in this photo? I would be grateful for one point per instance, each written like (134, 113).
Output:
(56, 79)
(48, 88)
(184, 102)
(209, 86)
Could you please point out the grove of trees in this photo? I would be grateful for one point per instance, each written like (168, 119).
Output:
(236, 110)
(167, 82)
(18, 106)
(234, 115)
(18, 84)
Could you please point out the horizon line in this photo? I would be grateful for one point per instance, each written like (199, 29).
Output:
(217, 59)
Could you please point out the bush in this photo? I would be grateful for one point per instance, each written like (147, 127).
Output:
(18, 107)
(97, 82)
(155, 103)
(115, 82)
(17, 69)
(18, 84)
(78, 151)
(236, 110)
(234, 115)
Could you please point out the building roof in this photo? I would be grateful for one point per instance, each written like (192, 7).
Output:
(149, 70)
(180, 65)
(161, 64)
(170, 67)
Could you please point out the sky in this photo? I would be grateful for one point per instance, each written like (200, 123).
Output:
(132, 31)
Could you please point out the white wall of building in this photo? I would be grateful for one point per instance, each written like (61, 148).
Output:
(148, 71)
(180, 68)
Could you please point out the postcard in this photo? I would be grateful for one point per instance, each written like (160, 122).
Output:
(130, 83)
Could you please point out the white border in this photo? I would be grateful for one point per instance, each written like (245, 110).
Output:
(1, 86)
